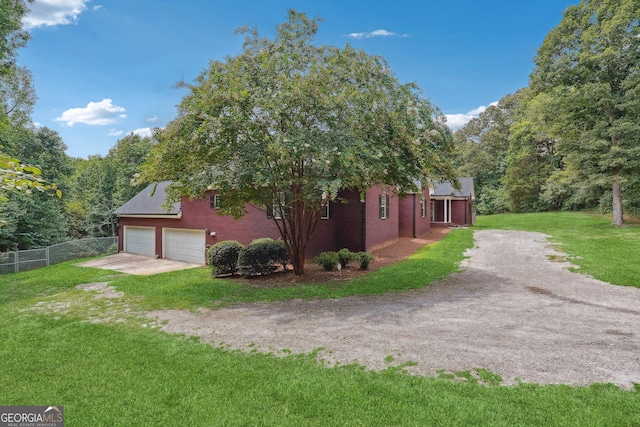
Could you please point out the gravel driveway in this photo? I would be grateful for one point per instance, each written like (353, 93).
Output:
(512, 311)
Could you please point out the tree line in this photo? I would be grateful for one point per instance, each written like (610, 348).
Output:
(33, 160)
(570, 139)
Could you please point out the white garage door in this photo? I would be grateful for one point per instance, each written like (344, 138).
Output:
(183, 245)
(140, 240)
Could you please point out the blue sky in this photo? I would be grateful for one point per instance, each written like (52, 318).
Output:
(105, 68)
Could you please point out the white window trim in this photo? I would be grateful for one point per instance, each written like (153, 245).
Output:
(277, 205)
(324, 211)
(383, 208)
(216, 201)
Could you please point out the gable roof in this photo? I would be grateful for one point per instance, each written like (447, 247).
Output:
(146, 204)
(445, 189)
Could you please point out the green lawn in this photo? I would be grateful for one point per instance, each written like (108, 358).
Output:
(123, 374)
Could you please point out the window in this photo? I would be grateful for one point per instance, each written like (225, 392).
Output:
(423, 208)
(214, 201)
(383, 203)
(278, 206)
(326, 211)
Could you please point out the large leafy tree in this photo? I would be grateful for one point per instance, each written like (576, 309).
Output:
(532, 156)
(287, 124)
(481, 152)
(590, 66)
(102, 184)
(12, 36)
(36, 219)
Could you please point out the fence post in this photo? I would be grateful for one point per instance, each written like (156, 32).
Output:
(46, 252)
(15, 259)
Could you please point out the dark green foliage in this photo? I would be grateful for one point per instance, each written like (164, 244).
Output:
(261, 256)
(327, 260)
(364, 259)
(345, 256)
(278, 251)
(481, 151)
(589, 67)
(38, 219)
(100, 185)
(223, 257)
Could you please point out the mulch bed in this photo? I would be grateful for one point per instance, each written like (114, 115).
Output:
(386, 255)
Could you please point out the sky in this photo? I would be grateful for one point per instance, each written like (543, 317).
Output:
(103, 69)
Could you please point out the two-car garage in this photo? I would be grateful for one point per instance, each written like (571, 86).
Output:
(177, 243)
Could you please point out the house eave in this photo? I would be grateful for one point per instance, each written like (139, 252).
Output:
(152, 216)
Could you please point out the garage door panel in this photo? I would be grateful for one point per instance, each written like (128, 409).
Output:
(140, 240)
(184, 245)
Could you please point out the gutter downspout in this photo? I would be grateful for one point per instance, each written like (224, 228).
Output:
(363, 226)
(414, 216)
(466, 208)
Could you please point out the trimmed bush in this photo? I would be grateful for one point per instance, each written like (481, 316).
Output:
(364, 259)
(261, 255)
(279, 253)
(345, 256)
(223, 257)
(327, 260)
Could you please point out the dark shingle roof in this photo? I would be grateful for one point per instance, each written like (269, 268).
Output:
(445, 188)
(144, 203)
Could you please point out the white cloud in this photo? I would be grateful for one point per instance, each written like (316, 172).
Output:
(143, 132)
(115, 132)
(152, 119)
(457, 121)
(46, 13)
(97, 7)
(95, 113)
(37, 124)
(376, 33)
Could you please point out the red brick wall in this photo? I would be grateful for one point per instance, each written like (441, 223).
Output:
(423, 225)
(461, 212)
(344, 230)
(348, 222)
(411, 222)
(197, 214)
(407, 211)
(380, 232)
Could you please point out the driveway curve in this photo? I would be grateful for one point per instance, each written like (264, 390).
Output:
(512, 310)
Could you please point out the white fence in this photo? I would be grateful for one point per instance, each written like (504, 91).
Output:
(12, 262)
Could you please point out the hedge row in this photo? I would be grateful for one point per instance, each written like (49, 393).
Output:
(261, 256)
(330, 260)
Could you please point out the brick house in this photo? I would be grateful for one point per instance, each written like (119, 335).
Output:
(451, 207)
(190, 226)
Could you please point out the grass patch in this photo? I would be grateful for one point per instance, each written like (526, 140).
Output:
(119, 375)
(604, 251)
(123, 374)
(195, 288)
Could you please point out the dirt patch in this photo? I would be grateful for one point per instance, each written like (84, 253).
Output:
(511, 311)
(102, 290)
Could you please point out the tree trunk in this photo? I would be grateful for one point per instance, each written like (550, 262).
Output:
(616, 189)
(297, 261)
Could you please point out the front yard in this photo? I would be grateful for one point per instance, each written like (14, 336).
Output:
(123, 370)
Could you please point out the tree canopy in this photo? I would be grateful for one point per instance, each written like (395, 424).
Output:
(288, 117)
(590, 66)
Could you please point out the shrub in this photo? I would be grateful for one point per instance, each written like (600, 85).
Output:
(327, 260)
(279, 253)
(345, 256)
(261, 254)
(223, 257)
(364, 259)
